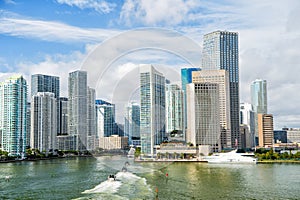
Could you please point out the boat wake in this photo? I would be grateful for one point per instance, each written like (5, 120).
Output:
(126, 186)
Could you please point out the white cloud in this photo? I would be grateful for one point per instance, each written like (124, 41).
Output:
(50, 30)
(100, 6)
(10, 2)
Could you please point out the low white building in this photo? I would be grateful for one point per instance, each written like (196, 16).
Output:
(113, 142)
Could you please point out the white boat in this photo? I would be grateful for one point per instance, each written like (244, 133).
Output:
(231, 157)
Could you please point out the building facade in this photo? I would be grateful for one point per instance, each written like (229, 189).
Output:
(203, 115)
(152, 119)
(63, 116)
(174, 108)
(43, 122)
(77, 109)
(265, 130)
(91, 119)
(132, 122)
(105, 119)
(220, 77)
(221, 51)
(113, 142)
(13, 116)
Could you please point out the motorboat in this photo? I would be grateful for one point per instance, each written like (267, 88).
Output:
(231, 157)
(111, 177)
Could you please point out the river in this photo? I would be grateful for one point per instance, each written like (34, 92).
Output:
(86, 178)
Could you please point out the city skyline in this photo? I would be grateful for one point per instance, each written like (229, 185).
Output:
(55, 40)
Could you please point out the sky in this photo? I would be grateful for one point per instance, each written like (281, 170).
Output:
(56, 37)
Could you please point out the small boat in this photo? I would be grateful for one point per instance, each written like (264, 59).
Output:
(111, 177)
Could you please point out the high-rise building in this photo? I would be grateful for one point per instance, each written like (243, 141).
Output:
(220, 77)
(186, 78)
(259, 100)
(47, 83)
(63, 116)
(77, 109)
(203, 115)
(105, 118)
(28, 124)
(247, 117)
(13, 122)
(265, 130)
(152, 119)
(43, 122)
(132, 122)
(221, 51)
(91, 118)
(174, 108)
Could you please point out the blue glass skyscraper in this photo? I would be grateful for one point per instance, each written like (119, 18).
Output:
(44, 83)
(221, 51)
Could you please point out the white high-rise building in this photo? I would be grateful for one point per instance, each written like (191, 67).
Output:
(247, 118)
(105, 118)
(43, 122)
(220, 77)
(91, 118)
(13, 122)
(77, 109)
(174, 108)
(132, 122)
(152, 119)
(203, 115)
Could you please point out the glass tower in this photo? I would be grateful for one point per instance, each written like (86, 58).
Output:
(13, 122)
(105, 118)
(259, 100)
(220, 51)
(44, 83)
(152, 94)
(132, 122)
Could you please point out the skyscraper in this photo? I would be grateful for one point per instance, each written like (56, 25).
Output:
(152, 95)
(258, 100)
(13, 122)
(265, 130)
(220, 77)
(132, 122)
(77, 109)
(203, 115)
(43, 122)
(105, 118)
(174, 108)
(186, 78)
(91, 118)
(63, 116)
(221, 51)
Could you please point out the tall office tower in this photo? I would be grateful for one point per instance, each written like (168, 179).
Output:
(265, 130)
(221, 51)
(28, 123)
(186, 78)
(91, 118)
(259, 101)
(132, 122)
(247, 118)
(174, 108)
(77, 109)
(152, 94)
(203, 115)
(13, 103)
(43, 122)
(46, 83)
(105, 118)
(220, 77)
(63, 116)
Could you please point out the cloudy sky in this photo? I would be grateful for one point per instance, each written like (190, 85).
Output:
(58, 36)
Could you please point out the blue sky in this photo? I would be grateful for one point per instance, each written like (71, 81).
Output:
(56, 36)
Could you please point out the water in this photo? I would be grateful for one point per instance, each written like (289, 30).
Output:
(86, 178)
